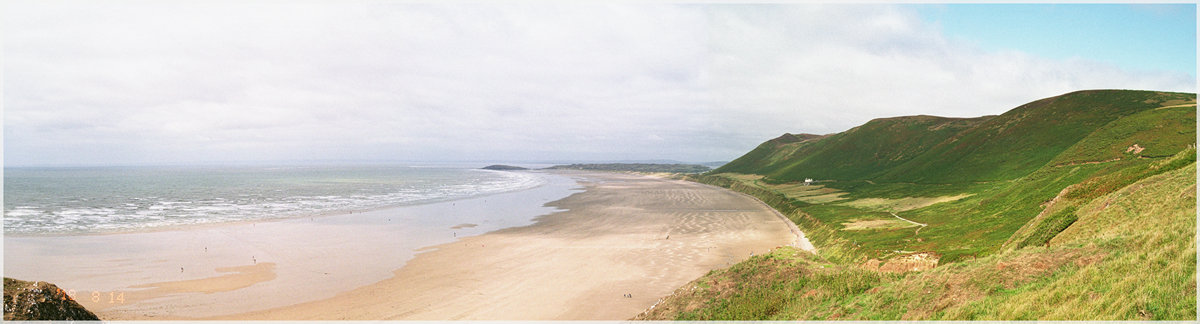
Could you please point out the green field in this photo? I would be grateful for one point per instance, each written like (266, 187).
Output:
(1080, 206)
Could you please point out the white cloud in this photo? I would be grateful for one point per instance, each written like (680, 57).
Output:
(229, 82)
(180, 82)
(825, 69)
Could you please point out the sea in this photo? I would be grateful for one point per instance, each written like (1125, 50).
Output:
(92, 200)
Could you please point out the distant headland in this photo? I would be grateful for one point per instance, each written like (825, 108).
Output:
(501, 167)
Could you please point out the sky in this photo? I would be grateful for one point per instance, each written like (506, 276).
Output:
(130, 83)
(1136, 37)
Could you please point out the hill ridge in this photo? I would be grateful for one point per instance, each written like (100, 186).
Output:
(1041, 212)
(964, 146)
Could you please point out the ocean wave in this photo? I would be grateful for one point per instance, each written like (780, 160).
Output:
(107, 214)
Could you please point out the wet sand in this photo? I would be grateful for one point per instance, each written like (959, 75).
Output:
(213, 270)
(625, 235)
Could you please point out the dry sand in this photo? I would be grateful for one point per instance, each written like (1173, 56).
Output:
(214, 270)
(625, 234)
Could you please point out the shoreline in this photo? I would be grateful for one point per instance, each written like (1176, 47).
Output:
(314, 257)
(621, 232)
(801, 241)
(614, 250)
(333, 213)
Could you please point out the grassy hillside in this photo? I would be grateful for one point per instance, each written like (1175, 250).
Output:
(1157, 132)
(1132, 257)
(1046, 211)
(859, 153)
(768, 154)
(1024, 139)
(927, 149)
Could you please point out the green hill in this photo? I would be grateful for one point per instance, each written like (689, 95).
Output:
(769, 154)
(1047, 211)
(929, 149)
(859, 153)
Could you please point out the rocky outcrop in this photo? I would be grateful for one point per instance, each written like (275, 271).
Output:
(38, 301)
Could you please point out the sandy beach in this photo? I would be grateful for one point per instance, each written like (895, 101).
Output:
(607, 252)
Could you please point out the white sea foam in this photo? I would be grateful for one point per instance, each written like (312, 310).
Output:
(104, 210)
(22, 211)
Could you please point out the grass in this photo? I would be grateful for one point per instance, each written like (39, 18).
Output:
(970, 227)
(1024, 139)
(1050, 227)
(868, 224)
(926, 149)
(1147, 231)
(901, 204)
(1161, 132)
(855, 154)
(1097, 186)
(1107, 267)
(1039, 213)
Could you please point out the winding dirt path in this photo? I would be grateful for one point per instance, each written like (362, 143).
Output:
(906, 220)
